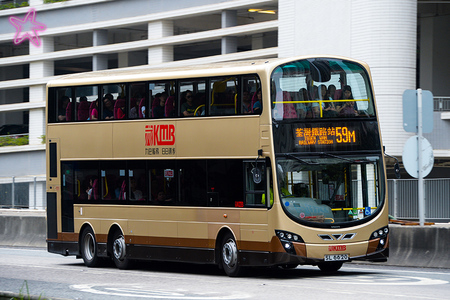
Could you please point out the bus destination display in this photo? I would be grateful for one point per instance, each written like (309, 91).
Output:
(325, 135)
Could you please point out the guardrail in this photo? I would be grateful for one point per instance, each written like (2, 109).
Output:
(403, 199)
(23, 192)
(441, 103)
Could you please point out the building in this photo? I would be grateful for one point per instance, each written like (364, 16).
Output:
(405, 42)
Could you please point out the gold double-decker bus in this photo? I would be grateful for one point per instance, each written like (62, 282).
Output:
(274, 162)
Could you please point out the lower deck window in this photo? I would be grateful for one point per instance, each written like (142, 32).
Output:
(203, 183)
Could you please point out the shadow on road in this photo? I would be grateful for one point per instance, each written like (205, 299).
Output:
(213, 270)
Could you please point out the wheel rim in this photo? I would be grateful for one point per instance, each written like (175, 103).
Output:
(119, 248)
(229, 253)
(89, 246)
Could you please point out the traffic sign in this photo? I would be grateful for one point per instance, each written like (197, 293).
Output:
(410, 111)
(411, 157)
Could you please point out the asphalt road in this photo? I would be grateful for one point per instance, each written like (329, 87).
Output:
(57, 277)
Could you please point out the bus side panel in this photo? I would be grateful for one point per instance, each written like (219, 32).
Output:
(254, 230)
(98, 141)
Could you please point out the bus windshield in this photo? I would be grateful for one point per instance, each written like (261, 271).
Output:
(330, 188)
(321, 88)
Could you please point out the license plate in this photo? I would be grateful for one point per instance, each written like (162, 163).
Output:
(336, 257)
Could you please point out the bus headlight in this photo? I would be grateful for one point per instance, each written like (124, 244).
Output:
(288, 236)
(381, 234)
(287, 239)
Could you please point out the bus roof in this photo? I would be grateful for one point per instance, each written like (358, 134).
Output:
(160, 72)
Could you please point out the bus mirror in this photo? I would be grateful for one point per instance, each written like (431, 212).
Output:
(256, 175)
(397, 170)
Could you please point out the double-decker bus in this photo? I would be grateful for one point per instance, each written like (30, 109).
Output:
(274, 162)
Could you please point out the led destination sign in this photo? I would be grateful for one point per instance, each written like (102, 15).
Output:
(325, 135)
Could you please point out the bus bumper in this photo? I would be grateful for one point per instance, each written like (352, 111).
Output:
(63, 247)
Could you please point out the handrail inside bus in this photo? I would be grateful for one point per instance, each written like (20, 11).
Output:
(195, 112)
(106, 187)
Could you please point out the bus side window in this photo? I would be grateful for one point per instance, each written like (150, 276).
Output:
(192, 98)
(255, 183)
(224, 95)
(64, 109)
(112, 179)
(250, 84)
(224, 182)
(84, 98)
(135, 189)
(162, 178)
(86, 182)
(192, 174)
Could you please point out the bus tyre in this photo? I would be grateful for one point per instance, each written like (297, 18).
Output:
(119, 251)
(330, 267)
(89, 248)
(230, 256)
(288, 266)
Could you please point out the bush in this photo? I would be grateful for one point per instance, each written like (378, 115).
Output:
(13, 140)
(13, 5)
(53, 1)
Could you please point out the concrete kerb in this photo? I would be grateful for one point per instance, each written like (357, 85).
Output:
(412, 246)
(419, 246)
(23, 229)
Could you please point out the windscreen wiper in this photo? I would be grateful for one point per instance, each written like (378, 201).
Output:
(338, 157)
(298, 159)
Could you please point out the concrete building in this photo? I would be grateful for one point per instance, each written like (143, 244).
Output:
(405, 42)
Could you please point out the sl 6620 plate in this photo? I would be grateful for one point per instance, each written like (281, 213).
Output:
(336, 257)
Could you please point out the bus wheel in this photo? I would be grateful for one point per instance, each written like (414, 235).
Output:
(89, 248)
(330, 267)
(230, 254)
(289, 266)
(119, 251)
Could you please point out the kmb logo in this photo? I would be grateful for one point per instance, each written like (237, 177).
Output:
(337, 248)
(159, 135)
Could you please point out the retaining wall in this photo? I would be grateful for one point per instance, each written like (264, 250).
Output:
(413, 246)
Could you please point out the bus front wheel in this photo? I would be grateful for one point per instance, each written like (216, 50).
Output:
(230, 256)
(89, 248)
(330, 267)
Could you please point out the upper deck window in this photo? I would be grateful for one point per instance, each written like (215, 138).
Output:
(321, 88)
(176, 98)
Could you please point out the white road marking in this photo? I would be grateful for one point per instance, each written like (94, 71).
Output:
(139, 291)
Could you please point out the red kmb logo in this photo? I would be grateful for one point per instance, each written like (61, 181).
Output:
(159, 135)
(337, 248)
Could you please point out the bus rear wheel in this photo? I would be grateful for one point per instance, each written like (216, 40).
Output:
(119, 251)
(330, 267)
(230, 256)
(88, 248)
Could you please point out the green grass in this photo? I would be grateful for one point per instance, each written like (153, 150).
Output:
(26, 296)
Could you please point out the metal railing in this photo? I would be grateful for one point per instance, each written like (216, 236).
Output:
(23, 192)
(441, 103)
(403, 199)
